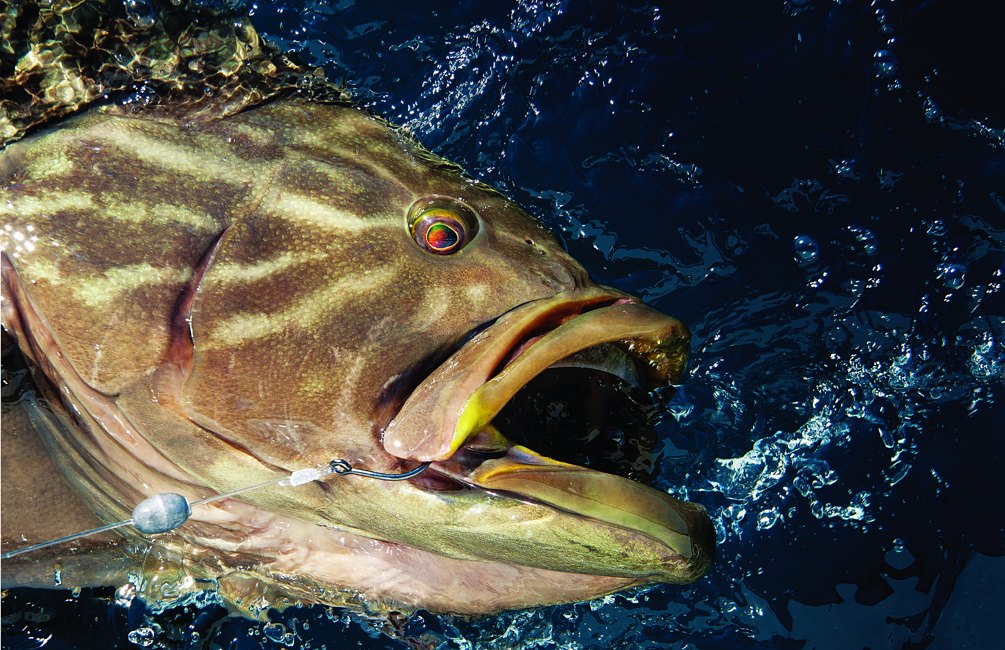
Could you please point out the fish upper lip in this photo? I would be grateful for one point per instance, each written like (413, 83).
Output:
(399, 388)
(437, 416)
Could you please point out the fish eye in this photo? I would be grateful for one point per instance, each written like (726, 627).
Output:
(438, 231)
(441, 225)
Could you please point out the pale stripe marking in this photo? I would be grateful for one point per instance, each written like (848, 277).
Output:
(190, 159)
(342, 176)
(21, 206)
(102, 290)
(51, 163)
(155, 214)
(298, 208)
(225, 273)
(113, 207)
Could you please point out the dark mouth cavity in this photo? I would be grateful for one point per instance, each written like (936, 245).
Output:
(586, 417)
(593, 409)
(583, 416)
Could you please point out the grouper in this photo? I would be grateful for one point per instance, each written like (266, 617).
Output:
(215, 297)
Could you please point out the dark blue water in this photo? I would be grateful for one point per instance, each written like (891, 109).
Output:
(818, 190)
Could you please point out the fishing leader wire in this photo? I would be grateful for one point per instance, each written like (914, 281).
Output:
(166, 511)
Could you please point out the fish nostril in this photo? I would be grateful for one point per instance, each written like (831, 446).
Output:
(540, 249)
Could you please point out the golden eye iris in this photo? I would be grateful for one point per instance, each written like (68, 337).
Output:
(442, 225)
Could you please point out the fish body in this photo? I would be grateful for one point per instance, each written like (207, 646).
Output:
(218, 302)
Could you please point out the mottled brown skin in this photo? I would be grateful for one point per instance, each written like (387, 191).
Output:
(223, 302)
(34, 498)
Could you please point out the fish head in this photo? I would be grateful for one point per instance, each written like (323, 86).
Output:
(311, 284)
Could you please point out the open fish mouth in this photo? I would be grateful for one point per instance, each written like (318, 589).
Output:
(464, 419)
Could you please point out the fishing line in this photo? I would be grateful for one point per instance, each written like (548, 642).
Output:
(166, 511)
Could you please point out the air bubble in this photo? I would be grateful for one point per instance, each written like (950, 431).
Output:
(987, 357)
(143, 637)
(866, 239)
(952, 275)
(936, 227)
(768, 518)
(806, 249)
(932, 111)
(898, 471)
(898, 557)
(885, 64)
(142, 13)
(278, 633)
(845, 169)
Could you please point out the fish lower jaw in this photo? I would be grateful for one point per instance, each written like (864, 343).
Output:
(301, 561)
(492, 464)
